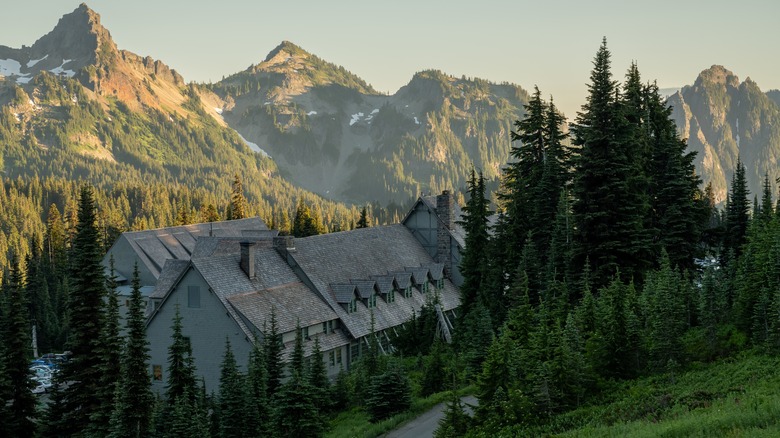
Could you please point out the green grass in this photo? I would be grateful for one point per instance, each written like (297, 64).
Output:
(355, 423)
(733, 398)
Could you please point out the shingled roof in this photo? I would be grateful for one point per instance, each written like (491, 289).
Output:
(334, 259)
(154, 247)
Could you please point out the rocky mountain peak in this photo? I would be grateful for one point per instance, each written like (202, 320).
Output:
(717, 75)
(283, 52)
(78, 37)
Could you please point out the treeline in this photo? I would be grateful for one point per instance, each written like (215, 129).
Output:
(607, 263)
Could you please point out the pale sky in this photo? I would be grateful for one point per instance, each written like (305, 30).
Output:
(549, 43)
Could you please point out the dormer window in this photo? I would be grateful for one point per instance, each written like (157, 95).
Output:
(440, 284)
(425, 287)
(352, 307)
(372, 301)
(408, 292)
(391, 296)
(304, 332)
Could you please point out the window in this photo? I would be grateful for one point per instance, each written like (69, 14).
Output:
(425, 287)
(391, 296)
(440, 284)
(352, 306)
(408, 292)
(372, 301)
(304, 332)
(157, 373)
(193, 296)
(338, 356)
(331, 359)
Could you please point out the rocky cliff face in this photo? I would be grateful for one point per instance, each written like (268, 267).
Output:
(79, 47)
(332, 133)
(723, 118)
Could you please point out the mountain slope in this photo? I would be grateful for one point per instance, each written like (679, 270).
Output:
(722, 118)
(73, 107)
(332, 133)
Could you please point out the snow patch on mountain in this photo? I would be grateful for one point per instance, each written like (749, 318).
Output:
(253, 146)
(61, 70)
(35, 61)
(355, 118)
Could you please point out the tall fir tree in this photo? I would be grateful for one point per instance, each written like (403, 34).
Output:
(181, 364)
(20, 407)
(363, 221)
(238, 204)
(85, 313)
(737, 214)
(473, 266)
(272, 348)
(608, 220)
(111, 351)
(232, 398)
(296, 412)
(133, 413)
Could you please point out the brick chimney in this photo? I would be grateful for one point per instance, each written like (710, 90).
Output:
(445, 210)
(248, 258)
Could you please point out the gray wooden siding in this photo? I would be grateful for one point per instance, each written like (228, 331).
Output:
(207, 327)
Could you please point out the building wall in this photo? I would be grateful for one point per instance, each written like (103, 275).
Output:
(422, 223)
(125, 259)
(207, 327)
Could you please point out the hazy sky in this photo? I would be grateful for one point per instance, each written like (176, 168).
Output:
(549, 43)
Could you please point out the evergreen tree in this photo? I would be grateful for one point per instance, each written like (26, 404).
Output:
(363, 221)
(318, 378)
(111, 353)
(238, 205)
(737, 212)
(232, 398)
(678, 210)
(606, 212)
(181, 364)
(455, 422)
(133, 411)
(272, 348)
(258, 405)
(297, 413)
(305, 223)
(388, 394)
(767, 211)
(473, 264)
(85, 315)
(20, 407)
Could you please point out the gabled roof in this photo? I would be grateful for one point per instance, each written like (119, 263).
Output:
(436, 271)
(403, 279)
(343, 293)
(363, 254)
(419, 274)
(292, 304)
(429, 201)
(172, 271)
(154, 247)
(365, 288)
(384, 283)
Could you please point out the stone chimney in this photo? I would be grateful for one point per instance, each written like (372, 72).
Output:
(248, 258)
(284, 245)
(445, 210)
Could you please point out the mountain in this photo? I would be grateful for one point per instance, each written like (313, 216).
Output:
(76, 109)
(723, 118)
(332, 133)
